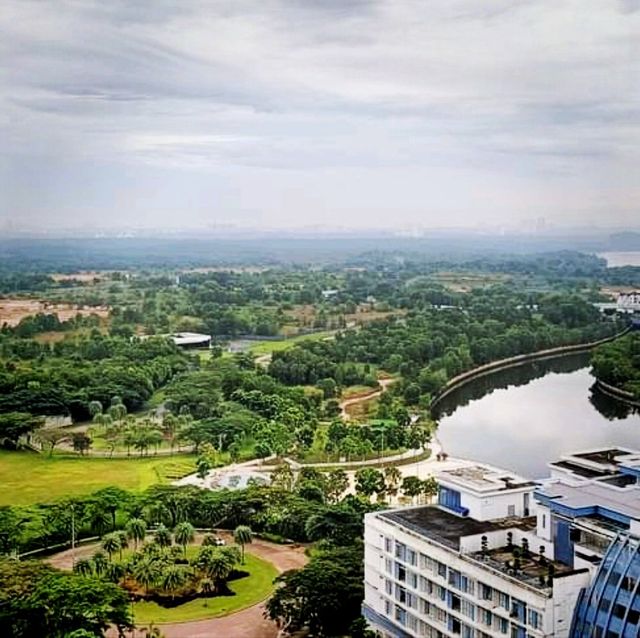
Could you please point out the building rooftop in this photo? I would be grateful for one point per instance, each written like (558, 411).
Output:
(484, 478)
(436, 524)
(447, 529)
(592, 497)
(189, 338)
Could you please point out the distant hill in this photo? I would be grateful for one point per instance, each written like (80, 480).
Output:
(624, 241)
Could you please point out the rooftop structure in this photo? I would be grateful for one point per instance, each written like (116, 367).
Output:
(504, 556)
(191, 339)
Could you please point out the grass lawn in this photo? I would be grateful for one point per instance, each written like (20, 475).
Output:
(267, 347)
(28, 478)
(248, 591)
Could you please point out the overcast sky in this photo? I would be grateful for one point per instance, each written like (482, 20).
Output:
(341, 113)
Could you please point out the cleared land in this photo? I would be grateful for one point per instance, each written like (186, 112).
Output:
(12, 311)
(28, 478)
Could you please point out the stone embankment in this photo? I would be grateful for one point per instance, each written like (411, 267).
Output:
(518, 360)
(617, 393)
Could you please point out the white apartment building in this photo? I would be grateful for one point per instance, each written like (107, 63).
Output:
(472, 567)
(500, 556)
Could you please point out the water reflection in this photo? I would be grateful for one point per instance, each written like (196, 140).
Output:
(524, 417)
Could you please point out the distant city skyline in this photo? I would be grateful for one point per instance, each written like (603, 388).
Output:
(353, 115)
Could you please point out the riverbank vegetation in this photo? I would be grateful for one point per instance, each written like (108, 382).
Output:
(618, 364)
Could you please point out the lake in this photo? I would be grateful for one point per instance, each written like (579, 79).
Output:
(627, 258)
(524, 417)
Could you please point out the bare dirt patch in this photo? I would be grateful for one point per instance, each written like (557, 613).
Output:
(85, 276)
(12, 311)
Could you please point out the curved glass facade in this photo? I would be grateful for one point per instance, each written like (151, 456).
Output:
(610, 607)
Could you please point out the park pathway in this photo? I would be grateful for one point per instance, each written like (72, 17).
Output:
(361, 398)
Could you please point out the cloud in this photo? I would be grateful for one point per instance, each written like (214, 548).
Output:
(518, 93)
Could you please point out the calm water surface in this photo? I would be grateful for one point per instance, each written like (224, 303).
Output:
(524, 417)
(628, 258)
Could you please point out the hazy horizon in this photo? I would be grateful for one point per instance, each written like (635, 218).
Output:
(353, 115)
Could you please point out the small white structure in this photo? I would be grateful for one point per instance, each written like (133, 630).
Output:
(191, 340)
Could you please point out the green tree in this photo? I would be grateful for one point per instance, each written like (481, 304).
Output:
(412, 486)
(147, 572)
(369, 481)
(325, 596)
(111, 543)
(162, 536)
(136, 530)
(37, 600)
(184, 534)
(243, 535)
(173, 578)
(336, 484)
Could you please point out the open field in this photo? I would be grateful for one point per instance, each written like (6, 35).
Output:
(268, 347)
(28, 478)
(248, 591)
(12, 311)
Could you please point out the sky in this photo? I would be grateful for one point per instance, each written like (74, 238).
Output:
(348, 114)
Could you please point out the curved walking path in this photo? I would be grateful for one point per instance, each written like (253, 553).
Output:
(247, 623)
(361, 398)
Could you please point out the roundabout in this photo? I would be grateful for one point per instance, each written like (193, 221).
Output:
(237, 616)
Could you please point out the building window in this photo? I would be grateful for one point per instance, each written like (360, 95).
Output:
(518, 610)
(468, 609)
(487, 617)
(388, 545)
(411, 557)
(503, 600)
(401, 615)
(534, 619)
(544, 521)
(388, 587)
(442, 570)
(401, 551)
(484, 591)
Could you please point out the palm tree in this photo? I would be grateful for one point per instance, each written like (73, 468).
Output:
(207, 586)
(155, 438)
(111, 543)
(174, 578)
(95, 408)
(136, 530)
(115, 572)
(99, 518)
(124, 540)
(184, 534)
(100, 562)
(129, 439)
(214, 565)
(146, 572)
(84, 567)
(232, 554)
(162, 536)
(243, 535)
